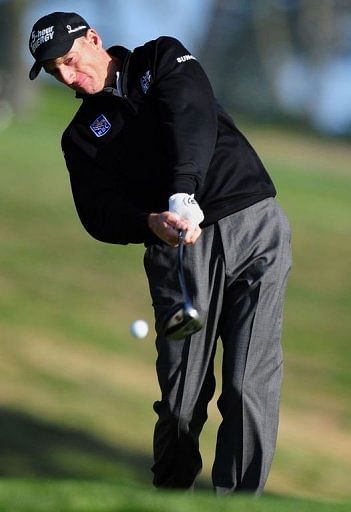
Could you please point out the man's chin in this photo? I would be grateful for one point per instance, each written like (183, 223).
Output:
(86, 89)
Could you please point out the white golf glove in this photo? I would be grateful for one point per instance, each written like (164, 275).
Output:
(186, 207)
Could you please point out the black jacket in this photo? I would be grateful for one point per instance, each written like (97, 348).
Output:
(166, 134)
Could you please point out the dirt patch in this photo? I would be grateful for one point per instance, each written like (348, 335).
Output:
(79, 363)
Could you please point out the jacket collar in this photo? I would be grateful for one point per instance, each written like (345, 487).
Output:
(124, 55)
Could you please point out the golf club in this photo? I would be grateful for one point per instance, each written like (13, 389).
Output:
(183, 320)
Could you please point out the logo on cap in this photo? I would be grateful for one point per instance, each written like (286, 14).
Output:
(41, 36)
(71, 30)
(53, 35)
(100, 126)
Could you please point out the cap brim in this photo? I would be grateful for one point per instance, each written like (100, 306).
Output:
(34, 72)
(52, 53)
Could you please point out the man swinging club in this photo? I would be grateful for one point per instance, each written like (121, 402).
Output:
(150, 153)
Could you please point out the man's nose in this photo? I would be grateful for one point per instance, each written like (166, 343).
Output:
(67, 75)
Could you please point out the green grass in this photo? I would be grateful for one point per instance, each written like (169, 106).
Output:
(76, 391)
(85, 496)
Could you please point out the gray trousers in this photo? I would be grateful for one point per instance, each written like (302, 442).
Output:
(236, 273)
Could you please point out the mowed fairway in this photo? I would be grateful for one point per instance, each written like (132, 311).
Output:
(76, 391)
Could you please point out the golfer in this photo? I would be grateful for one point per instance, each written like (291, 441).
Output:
(151, 152)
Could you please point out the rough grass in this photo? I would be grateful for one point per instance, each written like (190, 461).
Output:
(78, 496)
(76, 391)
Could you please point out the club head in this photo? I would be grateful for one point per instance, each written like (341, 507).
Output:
(182, 321)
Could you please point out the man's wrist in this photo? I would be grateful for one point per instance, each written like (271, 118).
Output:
(151, 220)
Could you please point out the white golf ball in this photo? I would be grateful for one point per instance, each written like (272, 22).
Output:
(139, 329)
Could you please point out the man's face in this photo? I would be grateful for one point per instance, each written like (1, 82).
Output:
(84, 68)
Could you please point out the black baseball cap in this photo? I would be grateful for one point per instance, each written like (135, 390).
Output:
(53, 36)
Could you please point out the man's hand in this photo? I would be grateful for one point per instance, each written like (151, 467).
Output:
(188, 209)
(166, 226)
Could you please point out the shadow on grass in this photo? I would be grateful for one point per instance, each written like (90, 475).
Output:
(30, 446)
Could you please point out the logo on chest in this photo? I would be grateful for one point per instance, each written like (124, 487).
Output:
(145, 81)
(100, 126)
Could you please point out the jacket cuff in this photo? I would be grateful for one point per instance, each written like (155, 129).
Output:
(147, 235)
(184, 184)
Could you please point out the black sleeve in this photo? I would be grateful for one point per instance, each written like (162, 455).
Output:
(188, 113)
(101, 204)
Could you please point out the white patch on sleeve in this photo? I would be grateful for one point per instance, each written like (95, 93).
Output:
(185, 58)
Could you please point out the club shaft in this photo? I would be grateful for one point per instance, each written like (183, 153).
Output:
(181, 268)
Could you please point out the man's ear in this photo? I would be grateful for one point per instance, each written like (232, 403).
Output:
(93, 38)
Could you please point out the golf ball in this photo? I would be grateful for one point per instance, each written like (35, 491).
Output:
(139, 329)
